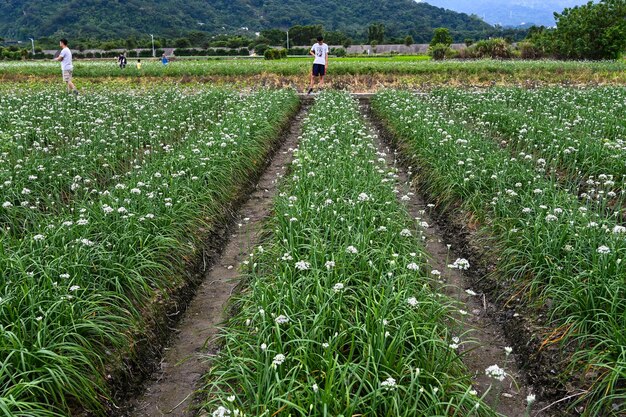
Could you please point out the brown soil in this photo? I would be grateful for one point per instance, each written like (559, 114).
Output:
(173, 386)
(488, 326)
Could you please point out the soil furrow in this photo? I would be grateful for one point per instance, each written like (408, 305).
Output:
(172, 389)
(487, 340)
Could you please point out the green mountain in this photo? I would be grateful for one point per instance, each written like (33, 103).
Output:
(113, 19)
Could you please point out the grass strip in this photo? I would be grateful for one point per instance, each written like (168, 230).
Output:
(462, 70)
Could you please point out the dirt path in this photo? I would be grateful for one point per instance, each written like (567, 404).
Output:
(486, 338)
(172, 389)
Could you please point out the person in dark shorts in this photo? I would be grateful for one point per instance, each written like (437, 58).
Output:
(122, 61)
(320, 64)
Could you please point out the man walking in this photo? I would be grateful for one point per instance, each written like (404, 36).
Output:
(65, 57)
(320, 52)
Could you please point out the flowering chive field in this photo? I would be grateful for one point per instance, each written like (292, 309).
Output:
(578, 134)
(103, 201)
(552, 247)
(338, 316)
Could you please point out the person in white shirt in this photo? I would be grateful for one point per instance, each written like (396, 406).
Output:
(65, 57)
(320, 64)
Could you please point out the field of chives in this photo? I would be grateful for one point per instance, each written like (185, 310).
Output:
(107, 200)
(103, 200)
(339, 317)
(544, 192)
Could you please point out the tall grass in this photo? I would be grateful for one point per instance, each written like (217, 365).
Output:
(424, 71)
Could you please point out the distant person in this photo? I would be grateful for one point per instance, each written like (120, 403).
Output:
(164, 60)
(67, 68)
(320, 64)
(122, 61)
(139, 64)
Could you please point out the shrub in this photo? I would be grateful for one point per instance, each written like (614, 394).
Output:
(261, 48)
(528, 50)
(438, 51)
(338, 52)
(271, 54)
(496, 48)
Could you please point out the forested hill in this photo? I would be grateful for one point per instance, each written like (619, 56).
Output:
(105, 19)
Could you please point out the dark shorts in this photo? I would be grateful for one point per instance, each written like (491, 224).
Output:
(319, 69)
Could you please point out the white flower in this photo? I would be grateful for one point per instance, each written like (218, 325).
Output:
(405, 198)
(74, 288)
(135, 191)
(64, 276)
(303, 265)
(325, 345)
(329, 264)
(463, 312)
(363, 197)
(603, 250)
(405, 233)
(287, 257)
(231, 398)
(263, 346)
(412, 301)
(388, 383)
(473, 392)
(470, 292)
(619, 229)
(460, 263)
(122, 210)
(221, 412)
(315, 388)
(508, 350)
(413, 266)
(86, 242)
(282, 319)
(278, 360)
(382, 229)
(551, 218)
(338, 287)
(82, 222)
(38, 237)
(435, 272)
(25, 191)
(526, 210)
(530, 399)
(495, 372)
(424, 225)
(7, 204)
(351, 249)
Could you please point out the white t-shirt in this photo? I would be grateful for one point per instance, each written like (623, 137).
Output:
(66, 63)
(321, 51)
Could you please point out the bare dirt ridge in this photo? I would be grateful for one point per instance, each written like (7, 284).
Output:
(490, 326)
(172, 388)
